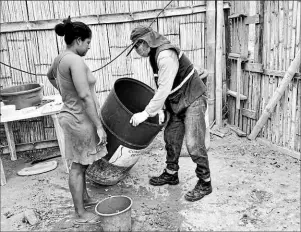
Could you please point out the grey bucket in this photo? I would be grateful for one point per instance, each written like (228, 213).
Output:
(115, 212)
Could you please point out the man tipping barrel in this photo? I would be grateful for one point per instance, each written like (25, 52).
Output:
(182, 93)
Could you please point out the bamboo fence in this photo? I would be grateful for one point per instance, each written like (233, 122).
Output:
(28, 42)
(219, 63)
(277, 40)
(288, 76)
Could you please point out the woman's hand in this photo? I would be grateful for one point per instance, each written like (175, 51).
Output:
(102, 136)
(139, 118)
(98, 110)
(161, 116)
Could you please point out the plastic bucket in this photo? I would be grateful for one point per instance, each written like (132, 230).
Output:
(22, 96)
(115, 212)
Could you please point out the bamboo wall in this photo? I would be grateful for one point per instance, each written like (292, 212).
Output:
(280, 31)
(33, 50)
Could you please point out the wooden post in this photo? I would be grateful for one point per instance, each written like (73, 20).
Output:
(238, 74)
(3, 178)
(210, 54)
(259, 33)
(10, 140)
(288, 76)
(218, 64)
(238, 114)
(258, 58)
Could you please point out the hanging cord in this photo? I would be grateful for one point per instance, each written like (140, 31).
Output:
(103, 65)
(132, 43)
(22, 70)
(160, 13)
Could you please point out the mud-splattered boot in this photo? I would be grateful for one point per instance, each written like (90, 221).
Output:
(200, 190)
(165, 178)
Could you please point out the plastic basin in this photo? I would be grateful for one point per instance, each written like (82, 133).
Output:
(22, 96)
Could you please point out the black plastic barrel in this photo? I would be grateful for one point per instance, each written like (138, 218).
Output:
(128, 96)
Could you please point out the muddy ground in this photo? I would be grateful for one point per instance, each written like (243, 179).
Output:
(255, 188)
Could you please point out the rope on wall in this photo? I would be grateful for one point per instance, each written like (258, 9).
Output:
(22, 70)
(111, 61)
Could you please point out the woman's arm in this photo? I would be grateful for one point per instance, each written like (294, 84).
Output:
(96, 101)
(51, 76)
(78, 71)
(95, 96)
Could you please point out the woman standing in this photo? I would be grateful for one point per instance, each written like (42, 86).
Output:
(85, 138)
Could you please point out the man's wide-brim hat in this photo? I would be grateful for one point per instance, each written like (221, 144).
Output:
(153, 38)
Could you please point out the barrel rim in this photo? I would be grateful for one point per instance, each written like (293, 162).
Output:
(21, 92)
(126, 109)
(114, 214)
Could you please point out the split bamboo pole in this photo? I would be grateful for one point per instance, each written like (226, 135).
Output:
(210, 30)
(219, 62)
(295, 65)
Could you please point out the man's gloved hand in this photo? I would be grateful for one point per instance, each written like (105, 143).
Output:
(139, 118)
(161, 116)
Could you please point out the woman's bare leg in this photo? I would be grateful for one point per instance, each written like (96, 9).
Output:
(87, 199)
(76, 185)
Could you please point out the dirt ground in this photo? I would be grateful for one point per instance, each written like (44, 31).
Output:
(255, 188)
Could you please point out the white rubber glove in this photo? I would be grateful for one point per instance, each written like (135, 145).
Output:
(139, 118)
(161, 116)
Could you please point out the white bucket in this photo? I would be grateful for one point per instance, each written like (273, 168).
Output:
(125, 157)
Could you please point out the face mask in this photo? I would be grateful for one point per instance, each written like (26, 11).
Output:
(142, 49)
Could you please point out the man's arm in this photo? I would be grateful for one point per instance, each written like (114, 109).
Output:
(168, 64)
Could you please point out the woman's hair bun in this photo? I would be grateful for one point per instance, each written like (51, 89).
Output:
(60, 29)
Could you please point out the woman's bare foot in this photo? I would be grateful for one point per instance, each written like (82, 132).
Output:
(88, 202)
(87, 218)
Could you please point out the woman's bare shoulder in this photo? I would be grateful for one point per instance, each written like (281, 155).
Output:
(72, 56)
(72, 59)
